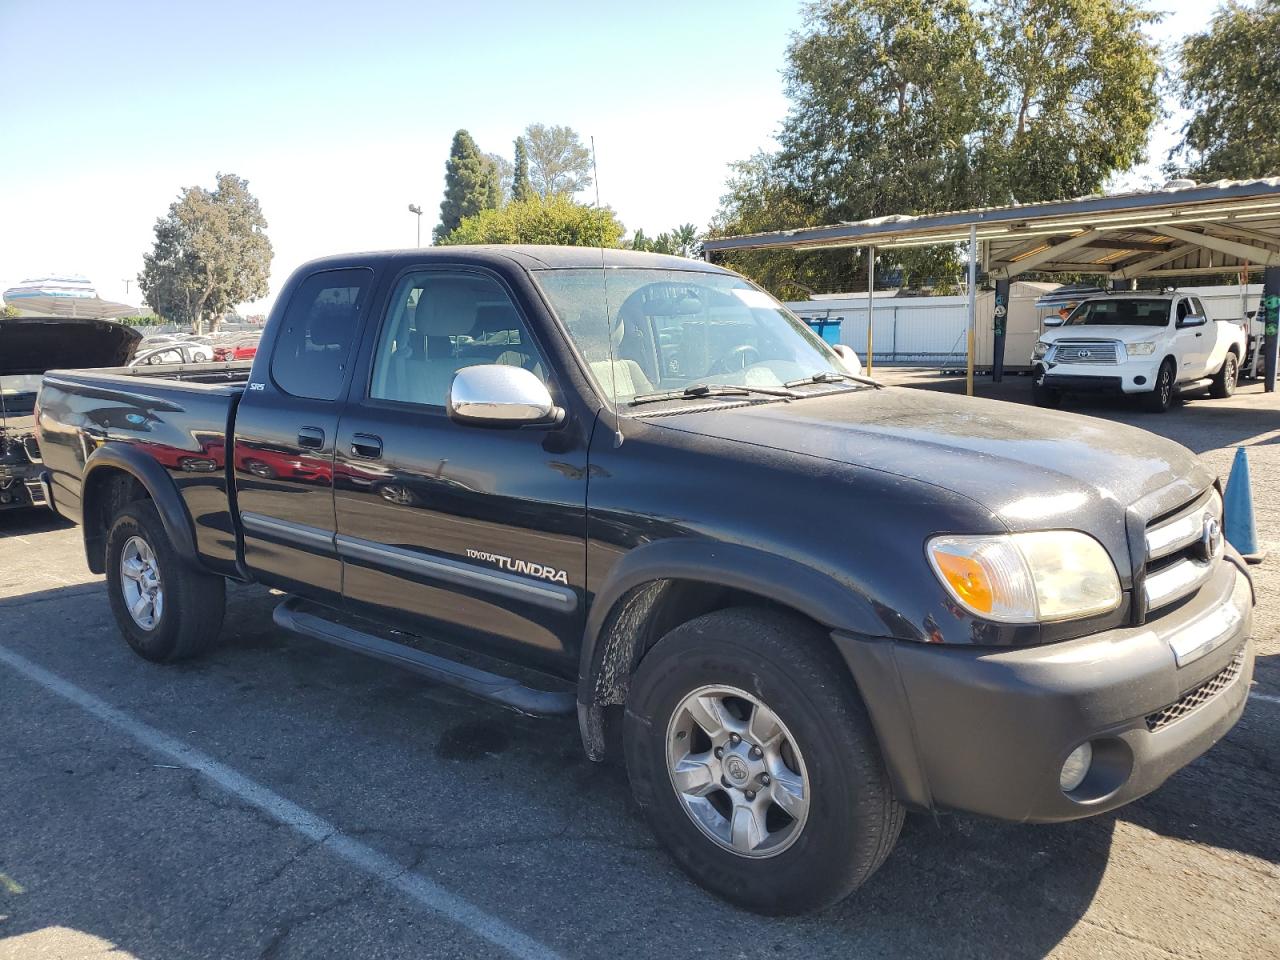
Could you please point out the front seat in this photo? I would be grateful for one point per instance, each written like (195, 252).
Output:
(446, 309)
(621, 378)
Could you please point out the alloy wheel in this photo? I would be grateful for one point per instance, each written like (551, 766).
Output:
(737, 771)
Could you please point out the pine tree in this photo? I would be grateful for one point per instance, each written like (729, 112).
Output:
(470, 185)
(520, 188)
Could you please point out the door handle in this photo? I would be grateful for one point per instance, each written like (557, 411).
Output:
(310, 437)
(1199, 334)
(366, 446)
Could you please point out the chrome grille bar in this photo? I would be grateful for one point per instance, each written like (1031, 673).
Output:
(1176, 581)
(1182, 530)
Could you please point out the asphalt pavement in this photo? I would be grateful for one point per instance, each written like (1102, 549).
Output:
(281, 798)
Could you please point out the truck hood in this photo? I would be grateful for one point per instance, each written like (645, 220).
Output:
(1031, 468)
(32, 345)
(1126, 333)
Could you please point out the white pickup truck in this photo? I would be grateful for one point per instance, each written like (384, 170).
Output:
(1137, 343)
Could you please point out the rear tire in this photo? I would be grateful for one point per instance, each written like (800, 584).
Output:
(790, 857)
(177, 609)
(1160, 399)
(1224, 381)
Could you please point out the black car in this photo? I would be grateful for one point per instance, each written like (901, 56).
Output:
(638, 489)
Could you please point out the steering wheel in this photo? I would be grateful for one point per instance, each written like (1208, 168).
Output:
(740, 357)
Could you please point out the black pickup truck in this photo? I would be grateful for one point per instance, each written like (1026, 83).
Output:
(797, 602)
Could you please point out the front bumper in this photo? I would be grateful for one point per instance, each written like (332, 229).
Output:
(1132, 376)
(986, 731)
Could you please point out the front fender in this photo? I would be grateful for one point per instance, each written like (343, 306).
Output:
(160, 488)
(640, 573)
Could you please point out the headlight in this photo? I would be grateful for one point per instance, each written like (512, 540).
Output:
(1040, 349)
(1140, 349)
(1027, 577)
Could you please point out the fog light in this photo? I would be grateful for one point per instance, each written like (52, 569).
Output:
(1139, 380)
(1076, 767)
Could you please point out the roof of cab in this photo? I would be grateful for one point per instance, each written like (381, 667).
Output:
(528, 256)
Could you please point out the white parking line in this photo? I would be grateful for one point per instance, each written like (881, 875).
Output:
(377, 865)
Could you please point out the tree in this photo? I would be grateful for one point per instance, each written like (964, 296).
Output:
(471, 184)
(558, 162)
(921, 106)
(502, 177)
(520, 186)
(1229, 78)
(1077, 96)
(683, 241)
(558, 220)
(211, 252)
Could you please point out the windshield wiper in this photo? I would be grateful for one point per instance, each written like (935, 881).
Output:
(831, 376)
(699, 390)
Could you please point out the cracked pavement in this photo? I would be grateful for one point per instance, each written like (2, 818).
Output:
(108, 849)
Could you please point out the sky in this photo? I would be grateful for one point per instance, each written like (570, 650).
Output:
(340, 115)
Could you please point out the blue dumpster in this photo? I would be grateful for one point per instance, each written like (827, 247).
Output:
(828, 328)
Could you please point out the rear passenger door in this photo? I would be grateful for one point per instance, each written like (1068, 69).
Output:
(466, 533)
(1193, 341)
(285, 430)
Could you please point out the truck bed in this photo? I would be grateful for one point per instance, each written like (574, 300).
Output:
(177, 415)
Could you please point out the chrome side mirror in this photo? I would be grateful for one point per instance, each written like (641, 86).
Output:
(1192, 320)
(1054, 321)
(848, 358)
(497, 395)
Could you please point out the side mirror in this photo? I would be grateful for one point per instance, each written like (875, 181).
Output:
(1054, 321)
(848, 358)
(1192, 321)
(497, 395)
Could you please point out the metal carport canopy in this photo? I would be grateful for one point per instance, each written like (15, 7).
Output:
(1181, 230)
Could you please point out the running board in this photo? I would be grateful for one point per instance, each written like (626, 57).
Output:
(298, 616)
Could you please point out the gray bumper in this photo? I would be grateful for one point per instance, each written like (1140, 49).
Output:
(986, 731)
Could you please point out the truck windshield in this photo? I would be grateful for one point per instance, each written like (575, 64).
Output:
(1130, 311)
(676, 329)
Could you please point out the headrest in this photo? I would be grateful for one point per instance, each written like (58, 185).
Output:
(493, 317)
(331, 324)
(450, 308)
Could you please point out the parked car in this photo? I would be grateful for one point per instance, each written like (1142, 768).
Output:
(797, 602)
(239, 349)
(28, 347)
(179, 351)
(1144, 344)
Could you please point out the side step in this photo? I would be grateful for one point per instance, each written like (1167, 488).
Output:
(309, 619)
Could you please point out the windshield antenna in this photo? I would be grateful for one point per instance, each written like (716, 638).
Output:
(608, 319)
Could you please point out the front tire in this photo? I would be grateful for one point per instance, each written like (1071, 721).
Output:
(1160, 399)
(1045, 396)
(1224, 381)
(166, 608)
(755, 763)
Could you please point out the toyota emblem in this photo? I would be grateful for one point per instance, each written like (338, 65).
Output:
(1084, 354)
(1211, 541)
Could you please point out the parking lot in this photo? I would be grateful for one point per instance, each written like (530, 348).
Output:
(282, 798)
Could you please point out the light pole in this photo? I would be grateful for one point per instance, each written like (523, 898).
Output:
(415, 209)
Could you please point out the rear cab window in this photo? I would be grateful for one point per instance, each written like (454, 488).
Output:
(312, 352)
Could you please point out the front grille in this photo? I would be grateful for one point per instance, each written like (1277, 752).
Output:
(1193, 700)
(1085, 351)
(1180, 551)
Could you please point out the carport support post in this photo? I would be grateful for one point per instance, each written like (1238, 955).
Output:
(973, 305)
(1270, 308)
(999, 321)
(871, 299)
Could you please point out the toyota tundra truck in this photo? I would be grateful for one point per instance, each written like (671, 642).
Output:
(637, 489)
(1148, 344)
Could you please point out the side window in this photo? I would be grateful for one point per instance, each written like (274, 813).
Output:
(311, 352)
(1184, 309)
(1198, 308)
(438, 323)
